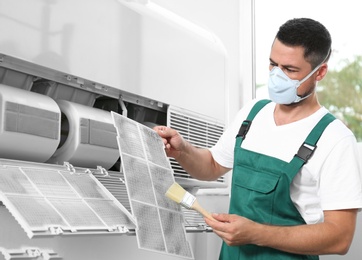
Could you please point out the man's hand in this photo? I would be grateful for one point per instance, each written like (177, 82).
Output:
(198, 162)
(233, 229)
(173, 141)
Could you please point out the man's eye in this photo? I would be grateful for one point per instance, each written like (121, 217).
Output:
(290, 70)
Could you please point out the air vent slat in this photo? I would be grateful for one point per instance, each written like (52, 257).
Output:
(198, 130)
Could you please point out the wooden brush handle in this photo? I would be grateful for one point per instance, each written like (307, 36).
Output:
(196, 206)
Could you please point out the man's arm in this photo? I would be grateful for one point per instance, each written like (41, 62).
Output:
(333, 236)
(198, 162)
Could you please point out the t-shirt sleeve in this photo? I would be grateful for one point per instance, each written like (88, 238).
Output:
(223, 150)
(341, 181)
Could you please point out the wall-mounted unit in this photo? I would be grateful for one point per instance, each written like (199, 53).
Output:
(74, 183)
(78, 130)
(60, 168)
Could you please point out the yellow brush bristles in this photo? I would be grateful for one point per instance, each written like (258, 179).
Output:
(176, 192)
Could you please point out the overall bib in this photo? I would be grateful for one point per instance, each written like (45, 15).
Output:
(260, 190)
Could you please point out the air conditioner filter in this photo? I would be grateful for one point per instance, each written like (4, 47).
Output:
(148, 175)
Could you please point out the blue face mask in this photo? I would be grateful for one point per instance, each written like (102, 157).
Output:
(282, 89)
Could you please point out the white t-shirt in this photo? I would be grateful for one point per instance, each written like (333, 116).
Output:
(331, 179)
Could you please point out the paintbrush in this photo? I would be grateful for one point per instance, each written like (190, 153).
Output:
(186, 199)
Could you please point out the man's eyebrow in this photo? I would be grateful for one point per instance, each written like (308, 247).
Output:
(284, 66)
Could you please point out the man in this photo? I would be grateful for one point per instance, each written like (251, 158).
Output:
(296, 185)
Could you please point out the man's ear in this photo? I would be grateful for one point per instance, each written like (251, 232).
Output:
(322, 71)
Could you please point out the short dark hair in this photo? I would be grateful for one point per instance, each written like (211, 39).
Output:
(309, 34)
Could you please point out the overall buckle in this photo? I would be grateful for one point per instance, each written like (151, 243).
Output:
(306, 151)
(244, 128)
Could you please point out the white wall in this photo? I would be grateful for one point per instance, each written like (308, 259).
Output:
(223, 18)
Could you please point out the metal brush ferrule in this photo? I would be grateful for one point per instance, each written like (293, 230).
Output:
(188, 200)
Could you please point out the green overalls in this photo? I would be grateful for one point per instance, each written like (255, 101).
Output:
(260, 190)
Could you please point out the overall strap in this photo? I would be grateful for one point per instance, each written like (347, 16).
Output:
(307, 149)
(245, 126)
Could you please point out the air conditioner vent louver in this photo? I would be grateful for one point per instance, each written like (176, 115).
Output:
(201, 131)
(114, 183)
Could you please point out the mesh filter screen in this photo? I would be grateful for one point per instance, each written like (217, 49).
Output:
(12, 180)
(138, 179)
(85, 187)
(75, 211)
(153, 147)
(44, 198)
(161, 185)
(36, 211)
(130, 141)
(148, 175)
(149, 231)
(50, 184)
(109, 213)
(174, 232)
